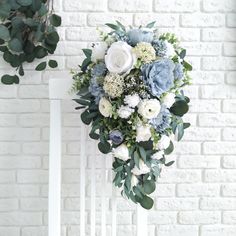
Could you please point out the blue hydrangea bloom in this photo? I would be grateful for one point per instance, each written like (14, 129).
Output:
(116, 137)
(99, 70)
(96, 90)
(178, 71)
(162, 121)
(160, 47)
(136, 36)
(159, 76)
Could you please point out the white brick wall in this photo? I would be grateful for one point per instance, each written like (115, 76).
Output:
(197, 196)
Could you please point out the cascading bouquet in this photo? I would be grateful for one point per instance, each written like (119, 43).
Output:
(129, 86)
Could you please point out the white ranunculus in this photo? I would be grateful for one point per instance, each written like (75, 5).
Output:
(164, 142)
(149, 108)
(170, 51)
(125, 112)
(98, 51)
(168, 99)
(143, 133)
(142, 170)
(105, 107)
(120, 58)
(134, 181)
(132, 100)
(158, 155)
(121, 152)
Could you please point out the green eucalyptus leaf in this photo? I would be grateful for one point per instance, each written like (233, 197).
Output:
(112, 26)
(40, 52)
(24, 3)
(3, 48)
(5, 9)
(43, 10)
(187, 66)
(186, 125)
(41, 66)
(55, 20)
(53, 63)
(36, 5)
(52, 38)
(15, 45)
(170, 163)
(180, 131)
(14, 4)
(149, 186)
(87, 52)
(182, 54)
(143, 153)
(4, 33)
(9, 79)
(151, 24)
(147, 202)
(170, 149)
(179, 108)
(104, 147)
(136, 158)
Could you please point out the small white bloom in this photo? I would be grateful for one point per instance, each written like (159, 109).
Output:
(98, 51)
(143, 169)
(170, 51)
(164, 142)
(105, 107)
(125, 112)
(149, 108)
(158, 155)
(168, 99)
(134, 181)
(120, 58)
(132, 100)
(143, 133)
(121, 152)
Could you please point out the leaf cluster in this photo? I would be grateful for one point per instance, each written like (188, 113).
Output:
(27, 32)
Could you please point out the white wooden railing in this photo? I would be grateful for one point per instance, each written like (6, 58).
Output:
(58, 91)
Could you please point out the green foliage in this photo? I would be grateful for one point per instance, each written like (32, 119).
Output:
(27, 33)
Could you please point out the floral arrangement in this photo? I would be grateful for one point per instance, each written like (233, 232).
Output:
(130, 87)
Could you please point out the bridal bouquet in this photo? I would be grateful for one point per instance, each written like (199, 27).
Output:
(130, 87)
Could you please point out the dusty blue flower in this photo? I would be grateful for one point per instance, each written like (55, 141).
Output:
(159, 76)
(178, 71)
(162, 121)
(96, 90)
(116, 137)
(160, 47)
(136, 36)
(99, 70)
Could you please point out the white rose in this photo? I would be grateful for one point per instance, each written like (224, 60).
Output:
(105, 107)
(143, 133)
(134, 181)
(168, 99)
(149, 108)
(164, 142)
(121, 152)
(125, 112)
(132, 100)
(158, 155)
(98, 51)
(170, 51)
(120, 58)
(142, 170)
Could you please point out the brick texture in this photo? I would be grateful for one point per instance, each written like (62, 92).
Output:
(195, 197)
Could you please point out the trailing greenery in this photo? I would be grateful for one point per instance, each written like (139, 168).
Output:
(27, 32)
